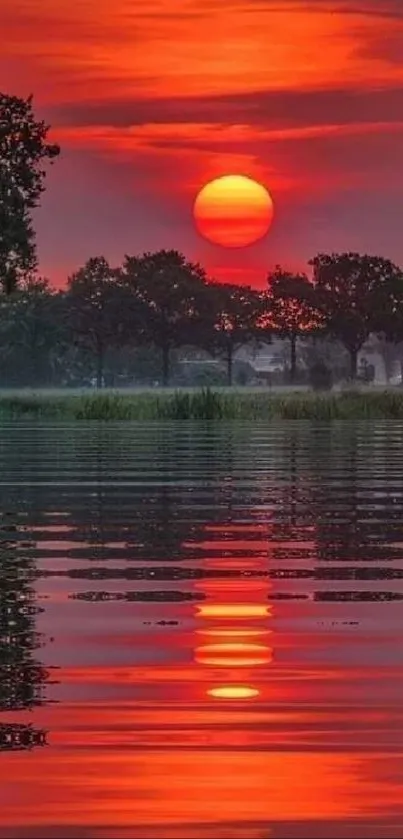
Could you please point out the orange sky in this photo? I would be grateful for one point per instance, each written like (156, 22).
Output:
(151, 98)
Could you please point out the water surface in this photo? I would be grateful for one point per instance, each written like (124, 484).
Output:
(201, 630)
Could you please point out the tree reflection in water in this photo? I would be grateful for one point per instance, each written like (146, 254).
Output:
(22, 677)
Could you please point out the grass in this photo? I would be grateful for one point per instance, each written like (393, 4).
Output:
(206, 404)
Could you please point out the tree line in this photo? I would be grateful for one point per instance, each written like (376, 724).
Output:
(162, 300)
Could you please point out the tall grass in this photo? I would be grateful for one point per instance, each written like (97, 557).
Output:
(203, 405)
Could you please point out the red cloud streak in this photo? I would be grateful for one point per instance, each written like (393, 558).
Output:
(305, 97)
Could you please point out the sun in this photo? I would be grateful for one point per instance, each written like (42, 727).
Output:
(233, 211)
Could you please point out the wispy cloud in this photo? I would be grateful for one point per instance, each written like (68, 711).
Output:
(270, 108)
(195, 48)
(151, 98)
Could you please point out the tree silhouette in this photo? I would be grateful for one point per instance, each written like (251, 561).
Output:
(29, 332)
(350, 290)
(233, 320)
(172, 292)
(23, 153)
(96, 310)
(291, 311)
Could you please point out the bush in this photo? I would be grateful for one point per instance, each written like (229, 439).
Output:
(320, 377)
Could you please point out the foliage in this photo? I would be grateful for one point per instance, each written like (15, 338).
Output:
(205, 405)
(202, 405)
(113, 322)
(129, 365)
(290, 310)
(96, 307)
(326, 350)
(171, 290)
(29, 333)
(23, 153)
(290, 304)
(201, 375)
(234, 317)
(388, 315)
(351, 290)
(115, 325)
(103, 407)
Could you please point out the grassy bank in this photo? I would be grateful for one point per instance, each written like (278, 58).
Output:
(201, 405)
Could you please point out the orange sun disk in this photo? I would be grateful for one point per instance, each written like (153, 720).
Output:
(233, 211)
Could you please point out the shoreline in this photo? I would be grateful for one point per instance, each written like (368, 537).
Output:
(195, 404)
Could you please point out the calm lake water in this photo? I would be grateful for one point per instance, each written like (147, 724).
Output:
(201, 630)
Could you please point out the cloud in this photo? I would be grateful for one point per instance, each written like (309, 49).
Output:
(192, 48)
(296, 140)
(152, 100)
(269, 108)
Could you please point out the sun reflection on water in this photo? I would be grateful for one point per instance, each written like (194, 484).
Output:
(233, 692)
(233, 634)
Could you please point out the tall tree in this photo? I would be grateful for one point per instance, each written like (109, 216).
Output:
(96, 310)
(172, 292)
(24, 151)
(234, 313)
(351, 290)
(290, 310)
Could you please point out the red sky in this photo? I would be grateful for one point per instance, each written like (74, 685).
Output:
(149, 99)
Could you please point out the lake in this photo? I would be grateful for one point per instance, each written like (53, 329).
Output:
(201, 630)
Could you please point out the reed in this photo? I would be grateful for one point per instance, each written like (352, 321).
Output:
(202, 405)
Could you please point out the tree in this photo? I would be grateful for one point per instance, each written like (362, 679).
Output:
(96, 306)
(23, 153)
(233, 320)
(351, 291)
(29, 333)
(133, 363)
(327, 351)
(172, 293)
(291, 310)
(388, 323)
